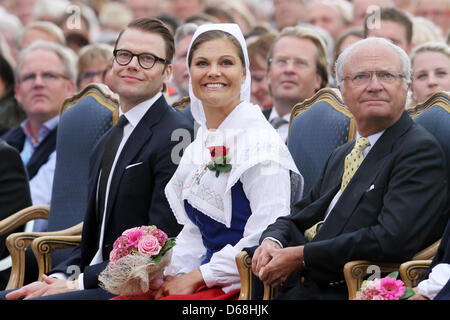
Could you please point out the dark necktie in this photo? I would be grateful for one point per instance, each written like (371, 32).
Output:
(278, 122)
(111, 146)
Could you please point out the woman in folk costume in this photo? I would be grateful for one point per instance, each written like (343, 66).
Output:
(233, 180)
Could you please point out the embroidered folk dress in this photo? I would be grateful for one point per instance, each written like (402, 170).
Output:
(225, 214)
(221, 215)
(216, 235)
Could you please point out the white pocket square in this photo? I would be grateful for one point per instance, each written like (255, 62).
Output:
(133, 165)
(371, 188)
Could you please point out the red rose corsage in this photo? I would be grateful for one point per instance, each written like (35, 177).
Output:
(220, 162)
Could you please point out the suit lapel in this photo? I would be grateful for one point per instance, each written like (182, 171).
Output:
(132, 148)
(363, 179)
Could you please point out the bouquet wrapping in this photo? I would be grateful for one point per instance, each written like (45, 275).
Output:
(137, 261)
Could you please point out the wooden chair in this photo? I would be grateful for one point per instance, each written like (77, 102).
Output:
(412, 271)
(244, 265)
(355, 272)
(84, 118)
(182, 104)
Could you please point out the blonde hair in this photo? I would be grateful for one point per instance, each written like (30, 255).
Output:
(47, 27)
(425, 30)
(115, 15)
(306, 33)
(440, 47)
(91, 52)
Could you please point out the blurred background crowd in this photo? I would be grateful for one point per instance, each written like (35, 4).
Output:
(90, 27)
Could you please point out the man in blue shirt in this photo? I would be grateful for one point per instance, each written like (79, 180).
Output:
(45, 77)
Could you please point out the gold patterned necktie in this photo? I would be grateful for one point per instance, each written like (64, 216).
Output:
(353, 160)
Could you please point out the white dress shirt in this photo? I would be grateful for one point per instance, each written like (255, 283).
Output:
(283, 130)
(40, 189)
(437, 279)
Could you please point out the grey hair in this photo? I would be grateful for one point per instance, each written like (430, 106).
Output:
(67, 56)
(184, 30)
(343, 57)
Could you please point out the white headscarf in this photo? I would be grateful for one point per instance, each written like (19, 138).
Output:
(250, 139)
(233, 29)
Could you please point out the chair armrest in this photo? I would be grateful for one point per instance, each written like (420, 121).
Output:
(45, 245)
(269, 292)
(18, 242)
(412, 271)
(244, 265)
(428, 253)
(72, 231)
(23, 216)
(356, 271)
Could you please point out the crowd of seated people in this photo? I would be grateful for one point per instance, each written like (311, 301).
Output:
(279, 53)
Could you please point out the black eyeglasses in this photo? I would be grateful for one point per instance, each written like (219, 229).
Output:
(146, 60)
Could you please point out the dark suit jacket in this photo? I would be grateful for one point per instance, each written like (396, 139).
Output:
(395, 205)
(14, 192)
(136, 195)
(16, 138)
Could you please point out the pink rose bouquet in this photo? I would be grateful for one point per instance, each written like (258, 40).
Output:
(387, 288)
(137, 261)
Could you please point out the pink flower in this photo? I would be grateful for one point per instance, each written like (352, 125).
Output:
(160, 235)
(121, 242)
(147, 229)
(118, 253)
(369, 290)
(391, 288)
(149, 245)
(134, 236)
(128, 231)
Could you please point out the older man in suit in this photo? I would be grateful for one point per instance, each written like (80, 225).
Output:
(126, 186)
(394, 205)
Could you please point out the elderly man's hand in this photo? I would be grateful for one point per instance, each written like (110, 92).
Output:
(273, 264)
(46, 287)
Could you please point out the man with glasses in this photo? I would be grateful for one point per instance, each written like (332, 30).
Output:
(45, 77)
(297, 68)
(383, 197)
(130, 166)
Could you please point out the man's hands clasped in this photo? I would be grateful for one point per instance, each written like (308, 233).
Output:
(274, 265)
